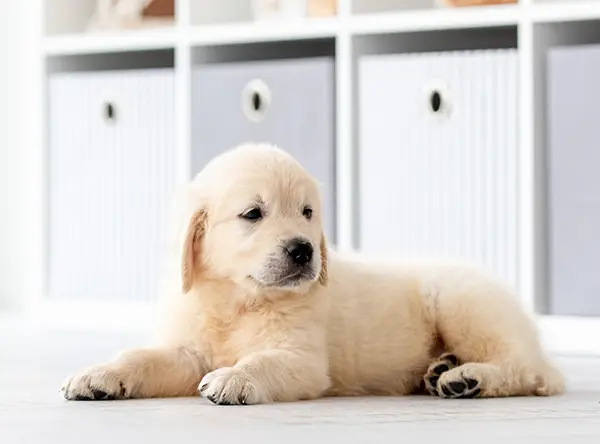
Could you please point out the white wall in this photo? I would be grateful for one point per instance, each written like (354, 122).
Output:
(19, 164)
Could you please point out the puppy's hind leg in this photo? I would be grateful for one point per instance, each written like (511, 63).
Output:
(496, 342)
(441, 365)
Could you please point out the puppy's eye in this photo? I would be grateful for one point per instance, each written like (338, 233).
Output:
(307, 212)
(252, 215)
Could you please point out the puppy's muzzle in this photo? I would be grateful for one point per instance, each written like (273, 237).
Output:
(299, 251)
(292, 264)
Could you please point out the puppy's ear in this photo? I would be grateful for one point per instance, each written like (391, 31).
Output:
(323, 277)
(191, 249)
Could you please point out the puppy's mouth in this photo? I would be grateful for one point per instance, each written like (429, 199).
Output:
(289, 280)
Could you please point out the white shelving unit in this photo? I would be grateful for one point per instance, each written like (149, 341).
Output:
(530, 26)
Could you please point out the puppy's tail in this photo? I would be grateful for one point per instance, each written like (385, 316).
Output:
(549, 381)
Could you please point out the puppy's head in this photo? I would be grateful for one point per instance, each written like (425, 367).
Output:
(254, 218)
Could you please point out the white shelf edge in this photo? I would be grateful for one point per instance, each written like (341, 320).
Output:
(435, 19)
(345, 144)
(103, 42)
(218, 34)
(565, 335)
(526, 166)
(565, 12)
(256, 32)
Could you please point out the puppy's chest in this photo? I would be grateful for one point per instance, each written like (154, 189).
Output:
(227, 340)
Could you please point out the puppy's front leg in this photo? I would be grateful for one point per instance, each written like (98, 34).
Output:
(140, 373)
(268, 376)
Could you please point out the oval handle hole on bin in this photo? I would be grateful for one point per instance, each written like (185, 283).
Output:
(109, 112)
(435, 100)
(256, 98)
(256, 101)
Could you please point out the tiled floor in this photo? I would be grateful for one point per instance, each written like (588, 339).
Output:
(33, 365)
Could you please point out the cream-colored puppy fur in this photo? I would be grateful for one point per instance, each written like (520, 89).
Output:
(246, 324)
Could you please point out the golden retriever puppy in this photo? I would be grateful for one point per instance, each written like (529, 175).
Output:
(260, 310)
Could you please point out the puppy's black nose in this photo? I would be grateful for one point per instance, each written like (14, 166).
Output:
(300, 251)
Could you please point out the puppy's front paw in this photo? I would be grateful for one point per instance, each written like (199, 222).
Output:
(231, 386)
(98, 383)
